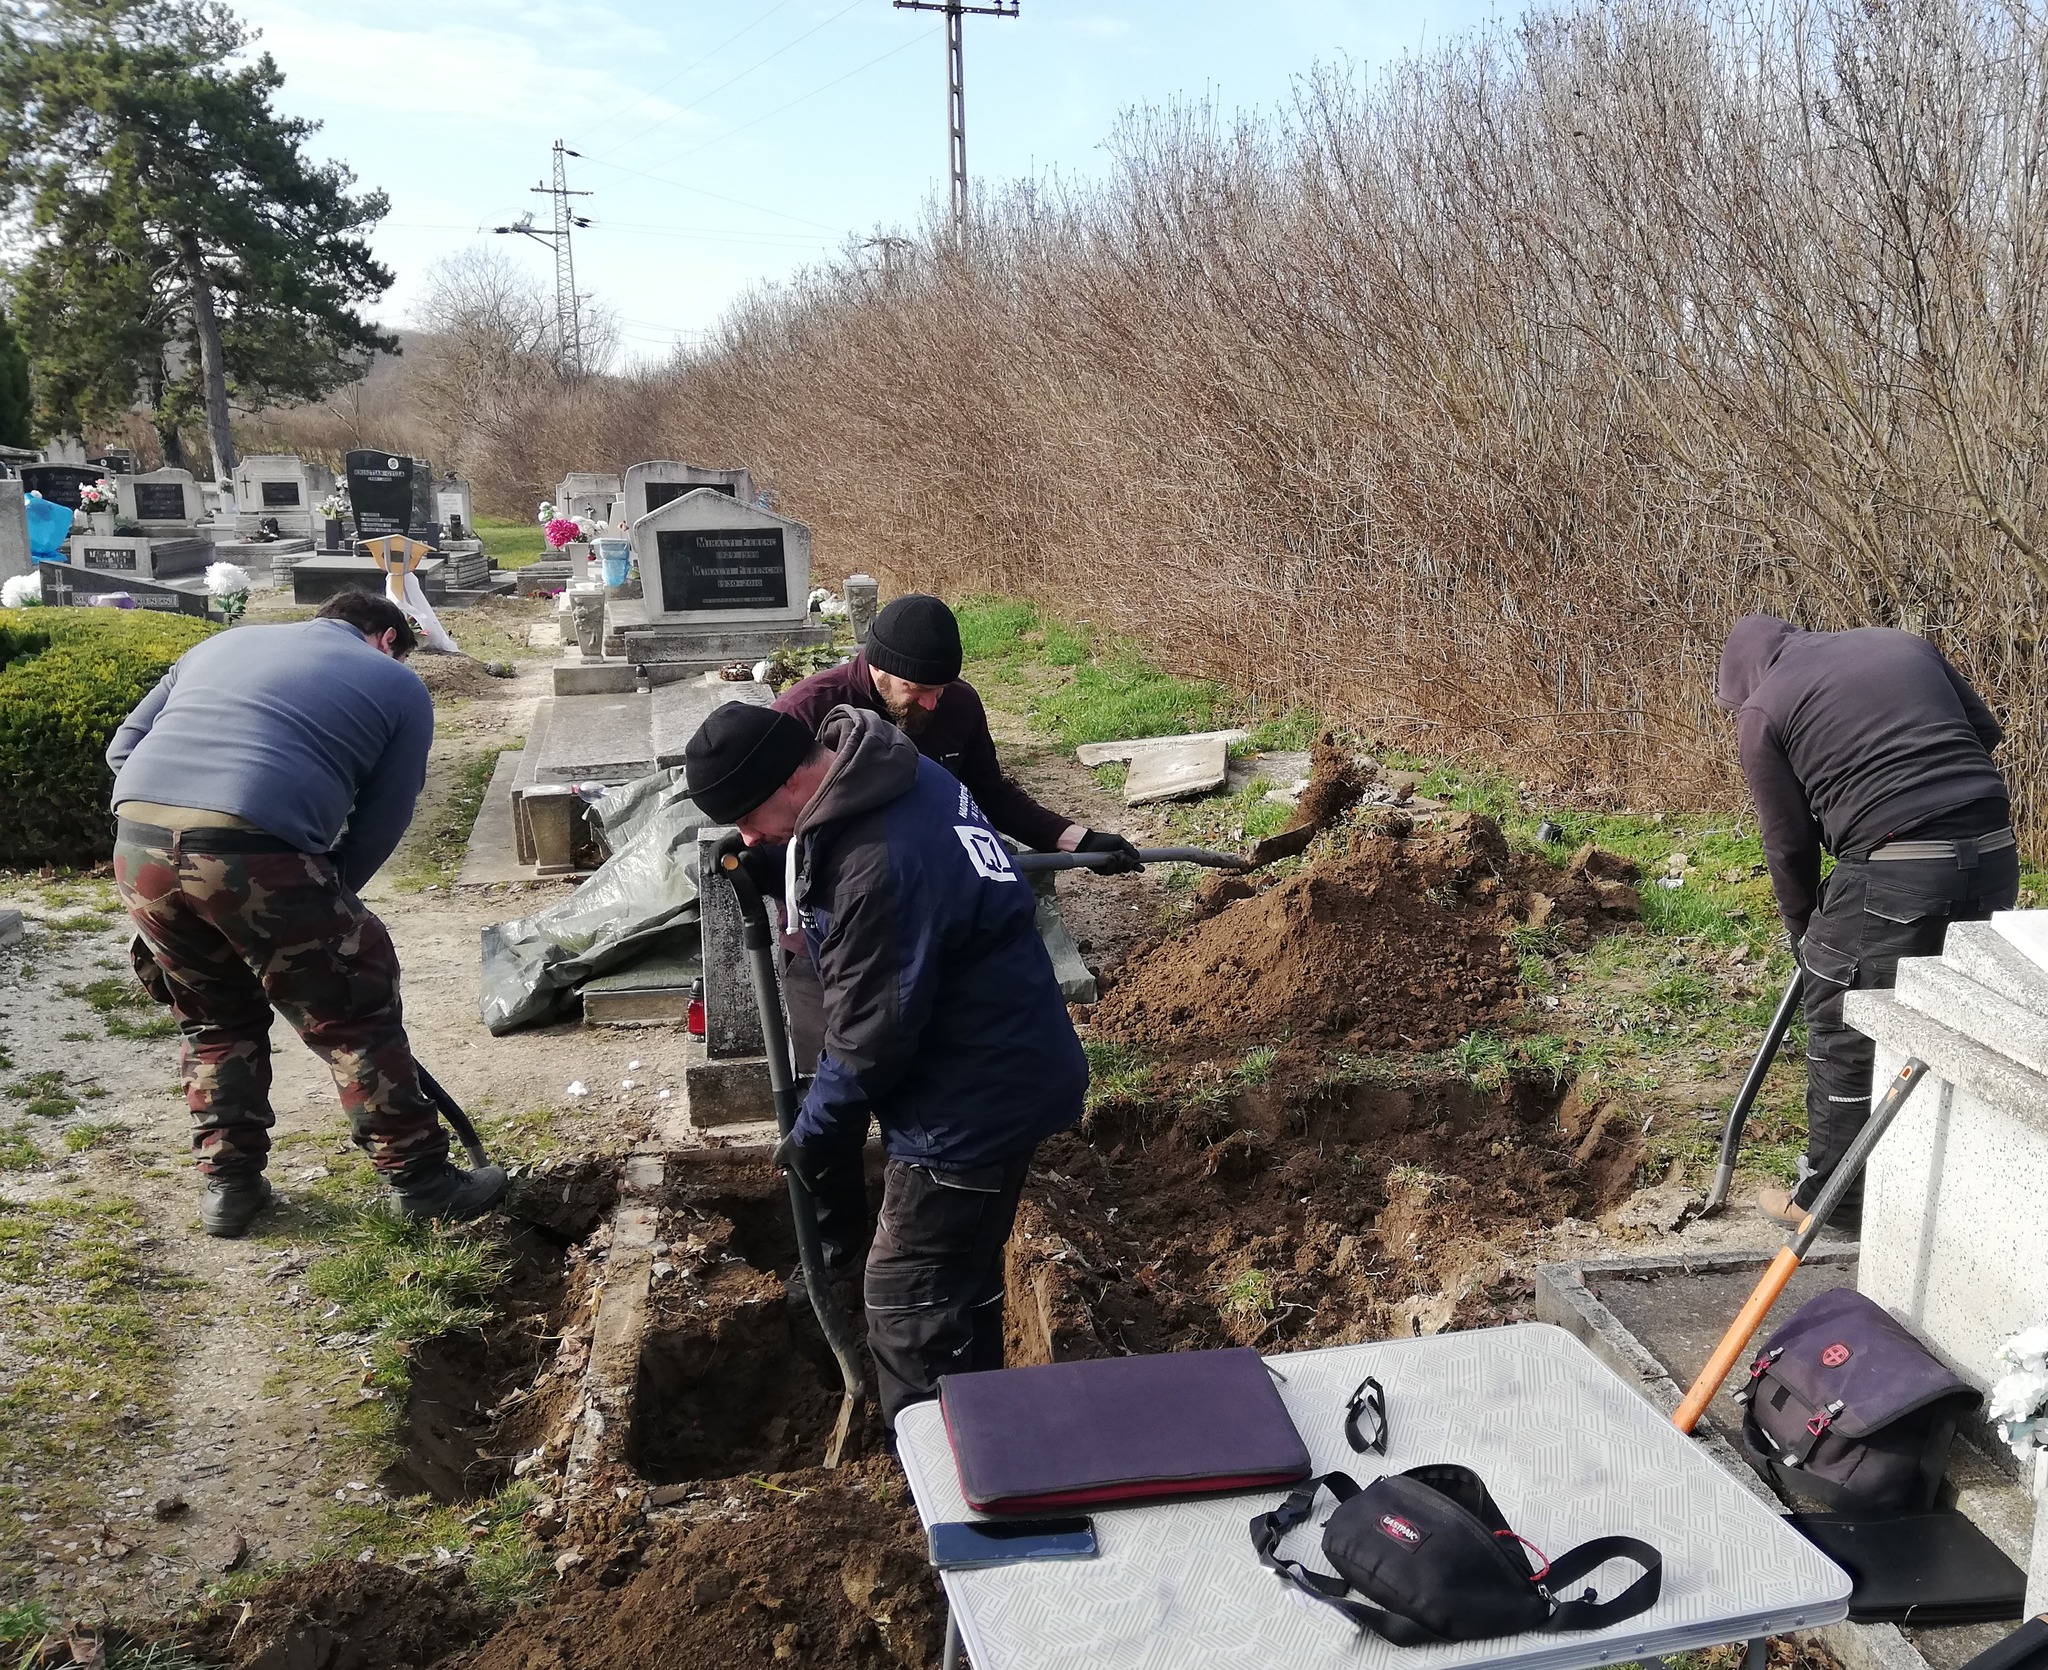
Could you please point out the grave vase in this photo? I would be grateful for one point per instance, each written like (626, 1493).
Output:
(333, 534)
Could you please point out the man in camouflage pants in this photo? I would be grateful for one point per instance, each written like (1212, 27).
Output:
(235, 776)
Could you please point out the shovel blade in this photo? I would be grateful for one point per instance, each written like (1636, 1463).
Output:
(1289, 843)
(842, 1429)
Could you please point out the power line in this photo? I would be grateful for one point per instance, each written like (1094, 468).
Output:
(690, 68)
(793, 103)
(956, 84)
(716, 197)
(703, 98)
(568, 308)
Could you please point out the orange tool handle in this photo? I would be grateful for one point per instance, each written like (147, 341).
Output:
(1736, 1340)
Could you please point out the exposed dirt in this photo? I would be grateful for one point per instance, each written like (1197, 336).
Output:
(826, 1569)
(1400, 941)
(448, 676)
(735, 1375)
(343, 1617)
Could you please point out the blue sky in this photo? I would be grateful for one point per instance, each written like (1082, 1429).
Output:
(727, 142)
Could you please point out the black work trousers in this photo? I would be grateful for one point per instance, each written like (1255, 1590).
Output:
(934, 1287)
(1875, 911)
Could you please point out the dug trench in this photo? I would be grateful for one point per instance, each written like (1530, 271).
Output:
(1330, 1196)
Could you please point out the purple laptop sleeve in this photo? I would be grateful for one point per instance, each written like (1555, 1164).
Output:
(1114, 1429)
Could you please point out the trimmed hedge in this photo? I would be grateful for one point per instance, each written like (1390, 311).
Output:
(68, 677)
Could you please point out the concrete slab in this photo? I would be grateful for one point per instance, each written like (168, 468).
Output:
(727, 1093)
(1092, 754)
(12, 927)
(596, 739)
(316, 579)
(678, 709)
(493, 853)
(732, 1024)
(1196, 766)
(545, 634)
(655, 989)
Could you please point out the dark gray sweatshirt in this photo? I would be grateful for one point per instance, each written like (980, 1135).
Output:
(300, 729)
(1851, 739)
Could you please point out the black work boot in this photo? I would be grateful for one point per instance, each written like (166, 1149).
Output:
(231, 1203)
(451, 1194)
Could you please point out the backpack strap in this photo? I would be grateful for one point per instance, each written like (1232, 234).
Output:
(1588, 1613)
(1269, 1528)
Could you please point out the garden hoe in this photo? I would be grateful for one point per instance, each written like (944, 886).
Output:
(760, 947)
(1752, 1314)
(1738, 1115)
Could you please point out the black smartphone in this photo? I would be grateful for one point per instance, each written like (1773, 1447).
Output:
(968, 1545)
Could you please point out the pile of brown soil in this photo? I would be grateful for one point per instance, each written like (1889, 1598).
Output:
(449, 676)
(824, 1569)
(1277, 1218)
(343, 1616)
(1400, 942)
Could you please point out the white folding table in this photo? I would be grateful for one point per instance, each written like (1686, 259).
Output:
(1567, 1448)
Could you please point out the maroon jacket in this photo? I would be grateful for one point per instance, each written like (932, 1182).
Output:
(956, 738)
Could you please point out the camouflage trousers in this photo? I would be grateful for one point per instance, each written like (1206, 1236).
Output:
(234, 933)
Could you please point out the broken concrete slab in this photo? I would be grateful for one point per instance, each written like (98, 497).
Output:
(678, 709)
(1092, 754)
(596, 739)
(724, 1093)
(1195, 766)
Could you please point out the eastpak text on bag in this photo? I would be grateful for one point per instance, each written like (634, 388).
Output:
(1434, 1550)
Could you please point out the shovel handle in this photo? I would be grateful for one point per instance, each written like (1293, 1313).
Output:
(1028, 861)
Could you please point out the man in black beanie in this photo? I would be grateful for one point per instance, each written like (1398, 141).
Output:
(942, 1016)
(909, 673)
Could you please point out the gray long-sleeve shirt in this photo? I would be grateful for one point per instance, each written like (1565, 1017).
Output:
(300, 729)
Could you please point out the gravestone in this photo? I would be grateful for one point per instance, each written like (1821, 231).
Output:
(588, 493)
(650, 486)
(59, 483)
(280, 487)
(164, 500)
(452, 507)
(14, 554)
(380, 492)
(68, 587)
(723, 582)
(425, 524)
(863, 598)
(114, 461)
(139, 556)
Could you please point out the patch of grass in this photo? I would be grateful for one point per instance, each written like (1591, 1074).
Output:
(83, 1328)
(106, 996)
(1116, 1072)
(43, 1095)
(1005, 629)
(511, 544)
(507, 1568)
(89, 1134)
(1249, 1295)
(1291, 732)
(18, 1150)
(401, 1283)
(156, 1026)
(89, 923)
(1257, 1066)
(1120, 694)
(436, 860)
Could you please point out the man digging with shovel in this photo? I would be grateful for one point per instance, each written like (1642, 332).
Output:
(1869, 745)
(909, 674)
(941, 1013)
(234, 779)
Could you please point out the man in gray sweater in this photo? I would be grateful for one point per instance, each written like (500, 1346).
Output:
(257, 787)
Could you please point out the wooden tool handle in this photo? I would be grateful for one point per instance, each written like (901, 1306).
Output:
(1736, 1340)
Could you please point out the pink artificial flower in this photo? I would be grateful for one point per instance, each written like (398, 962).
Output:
(560, 531)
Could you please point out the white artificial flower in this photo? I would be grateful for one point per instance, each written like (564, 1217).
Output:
(226, 579)
(576, 1088)
(2018, 1395)
(2028, 1349)
(23, 591)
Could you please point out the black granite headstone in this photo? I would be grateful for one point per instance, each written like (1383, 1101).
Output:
(160, 501)
(379, 492)
(66, 587)
(59, 483)
(722, 568)
(112, 559)
(424, 522)
(660, 493)
(280, 494)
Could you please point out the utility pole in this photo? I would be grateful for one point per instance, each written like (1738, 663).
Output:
(956, 74)
(568, 306)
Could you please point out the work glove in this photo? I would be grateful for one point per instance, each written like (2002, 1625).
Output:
(789, 1156)
(765, 866)
(1123, 856)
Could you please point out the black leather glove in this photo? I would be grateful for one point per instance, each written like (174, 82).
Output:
(766, 866)
(1123, 856)
(789, 1156)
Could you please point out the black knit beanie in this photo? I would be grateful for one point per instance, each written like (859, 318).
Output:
(740, 756)
(916, 638)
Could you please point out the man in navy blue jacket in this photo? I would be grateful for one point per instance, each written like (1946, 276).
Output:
(942, 1015)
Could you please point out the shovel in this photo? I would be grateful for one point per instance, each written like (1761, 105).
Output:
(759, 942)
(1738, 1115)
(1029, 861)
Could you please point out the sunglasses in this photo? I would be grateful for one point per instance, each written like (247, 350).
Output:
(1369, 1401)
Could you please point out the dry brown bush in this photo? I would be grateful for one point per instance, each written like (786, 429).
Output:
(1472, 403)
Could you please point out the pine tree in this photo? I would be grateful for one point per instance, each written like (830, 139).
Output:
(184, 249)
(16, 409)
